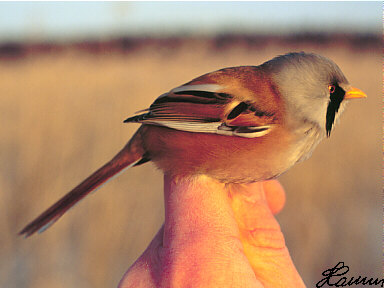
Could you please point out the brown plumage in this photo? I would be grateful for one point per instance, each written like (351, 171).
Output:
(237, 125)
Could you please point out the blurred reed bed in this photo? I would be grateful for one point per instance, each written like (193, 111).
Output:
(61, 116)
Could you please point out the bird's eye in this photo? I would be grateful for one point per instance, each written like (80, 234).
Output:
(331, 88)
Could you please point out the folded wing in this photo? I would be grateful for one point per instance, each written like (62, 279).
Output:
(206, 108)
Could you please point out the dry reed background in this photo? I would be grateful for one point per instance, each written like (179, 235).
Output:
(61, 118)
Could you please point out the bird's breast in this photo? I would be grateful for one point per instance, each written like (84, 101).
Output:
(226, 158)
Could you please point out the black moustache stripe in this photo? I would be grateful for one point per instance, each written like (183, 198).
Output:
(333, 106)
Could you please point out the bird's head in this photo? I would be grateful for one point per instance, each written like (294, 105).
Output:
(313, 88)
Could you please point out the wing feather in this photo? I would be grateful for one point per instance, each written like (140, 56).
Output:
(198, 87)
(203, 108)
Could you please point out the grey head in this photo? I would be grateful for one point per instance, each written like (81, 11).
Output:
(312, 87)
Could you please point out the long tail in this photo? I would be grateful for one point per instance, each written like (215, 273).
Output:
(132, 154)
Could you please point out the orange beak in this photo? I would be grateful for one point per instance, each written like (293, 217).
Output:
(354, 93)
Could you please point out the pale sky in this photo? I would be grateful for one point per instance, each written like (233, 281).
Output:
(71, 20)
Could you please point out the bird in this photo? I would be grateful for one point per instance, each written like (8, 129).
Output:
(237, 125)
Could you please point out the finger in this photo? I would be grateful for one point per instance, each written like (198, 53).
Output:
(260, 234)
(275, 195)
(145, 272)
(201, 246)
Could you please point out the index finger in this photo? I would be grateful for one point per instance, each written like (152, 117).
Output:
(260, 233)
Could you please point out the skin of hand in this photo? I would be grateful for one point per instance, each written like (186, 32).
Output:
(217, 235)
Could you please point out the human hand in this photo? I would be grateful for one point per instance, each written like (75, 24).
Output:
(217, 235)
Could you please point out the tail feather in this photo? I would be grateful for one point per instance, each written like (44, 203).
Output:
(126, 158)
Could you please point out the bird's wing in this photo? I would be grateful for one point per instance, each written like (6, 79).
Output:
(206, 108)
